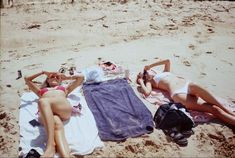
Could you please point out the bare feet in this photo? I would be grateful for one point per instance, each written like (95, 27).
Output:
(50, 152)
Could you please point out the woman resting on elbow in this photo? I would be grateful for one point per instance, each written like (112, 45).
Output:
(184, 92)
(54, 108)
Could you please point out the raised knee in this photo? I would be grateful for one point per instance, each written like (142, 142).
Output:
(193, 88)
(58, 123)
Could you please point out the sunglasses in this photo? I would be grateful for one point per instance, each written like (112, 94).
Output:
(54, 76)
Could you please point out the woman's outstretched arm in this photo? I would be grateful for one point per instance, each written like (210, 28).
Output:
(33, 86)
(78, 80)
(166, 63)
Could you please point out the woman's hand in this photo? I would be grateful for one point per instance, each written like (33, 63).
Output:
(139, 77)
(48, 74)
(140, 80)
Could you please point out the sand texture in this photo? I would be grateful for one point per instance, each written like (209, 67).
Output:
(197, 36)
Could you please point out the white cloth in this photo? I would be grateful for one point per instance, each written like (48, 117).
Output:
(183, 110)
(80, 131)
(93, 74)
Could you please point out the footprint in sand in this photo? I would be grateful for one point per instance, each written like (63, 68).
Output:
(12, 51)
(171, 27)
(8, 85)
(143, 60)
(191, 46)
(75, 49)
(5, 61)
(152, 145)
(196, 36)
(154, 27)
(208, 52)
(32, 26)
(227, 62)
(210, 30)
(177, 56)
(186, 63)
(130, 148)
(218, 136)
(70, 59)
(26, 55)
(203, 74)
(149, 143)
(106, 26)
(3, 115)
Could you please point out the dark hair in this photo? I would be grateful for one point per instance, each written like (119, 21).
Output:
(45, 84)
(145, 76)
(108, 63)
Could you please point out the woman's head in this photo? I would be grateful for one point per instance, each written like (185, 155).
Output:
(147, 76)
(52, 81)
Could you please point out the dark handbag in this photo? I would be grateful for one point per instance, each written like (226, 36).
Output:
(167, 117)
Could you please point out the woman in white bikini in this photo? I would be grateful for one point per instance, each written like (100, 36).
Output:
(184, 92)
(54, 108)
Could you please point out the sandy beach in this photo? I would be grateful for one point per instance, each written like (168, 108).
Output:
(197, 36)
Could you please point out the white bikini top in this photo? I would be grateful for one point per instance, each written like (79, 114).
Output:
(158, 77)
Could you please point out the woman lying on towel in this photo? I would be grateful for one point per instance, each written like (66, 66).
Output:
(54, 108)
(183, 91)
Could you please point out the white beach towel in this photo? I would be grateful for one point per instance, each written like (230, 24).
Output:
(80, 131)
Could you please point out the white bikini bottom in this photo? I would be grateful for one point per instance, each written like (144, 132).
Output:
(183, 90)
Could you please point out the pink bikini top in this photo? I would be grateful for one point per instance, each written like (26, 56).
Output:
(44, 90)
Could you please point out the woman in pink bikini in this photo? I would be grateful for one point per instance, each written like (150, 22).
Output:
(54, 108)
(184, 92)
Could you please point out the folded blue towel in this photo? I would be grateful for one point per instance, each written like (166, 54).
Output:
(118, 112)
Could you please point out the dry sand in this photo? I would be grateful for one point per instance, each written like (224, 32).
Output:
(197, 36)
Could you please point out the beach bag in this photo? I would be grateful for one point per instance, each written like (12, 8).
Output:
(33, 154)
(173, 115)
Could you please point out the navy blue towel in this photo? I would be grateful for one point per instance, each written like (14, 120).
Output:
(118, 112)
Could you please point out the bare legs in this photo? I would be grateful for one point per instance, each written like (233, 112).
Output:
(211, 105)
(55, 131)
(48, 120)
(60, 140)
(208, 97)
